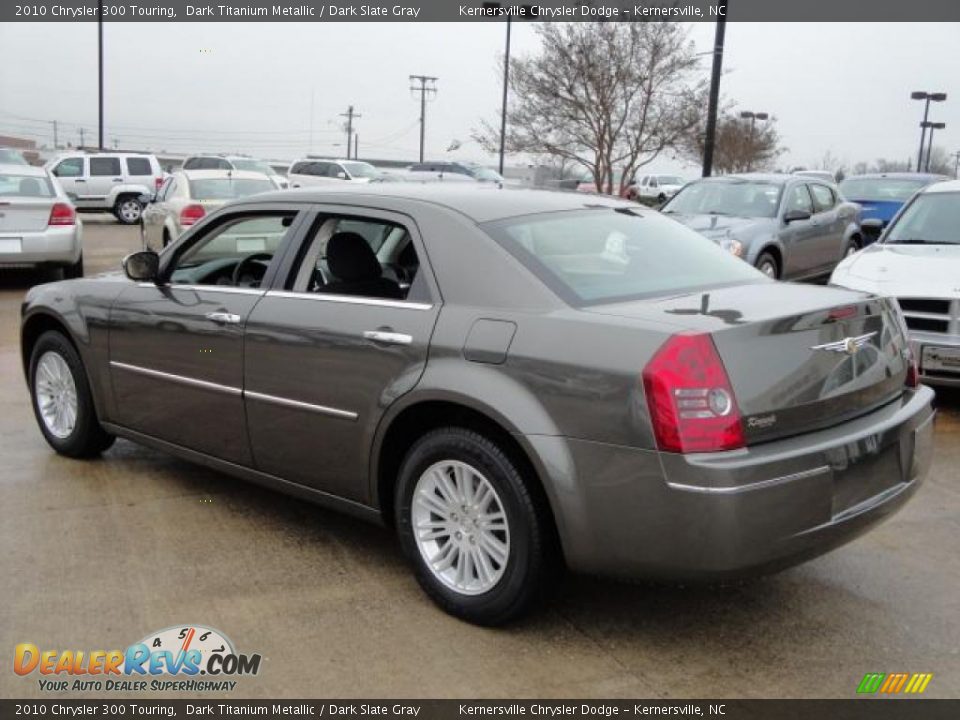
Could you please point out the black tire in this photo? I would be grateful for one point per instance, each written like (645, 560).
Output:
(128, 210)
(531, 561)
(767, 259)
(88, 438)
(75, 270)
(166, 237)
(853, 246)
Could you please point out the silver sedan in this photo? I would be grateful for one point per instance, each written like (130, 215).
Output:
(187, 196)
(38, 223)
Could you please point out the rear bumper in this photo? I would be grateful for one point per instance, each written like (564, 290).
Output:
(919, 340)
(628, 512)
(61, 245)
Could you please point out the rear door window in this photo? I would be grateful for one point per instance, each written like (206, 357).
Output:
(102, 166)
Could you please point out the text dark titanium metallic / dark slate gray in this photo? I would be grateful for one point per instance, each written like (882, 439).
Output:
(513, 378)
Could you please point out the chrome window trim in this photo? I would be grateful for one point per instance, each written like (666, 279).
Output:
(350, 299)
(180, 379)
(751, 486)
(298, 405)
(209, 288)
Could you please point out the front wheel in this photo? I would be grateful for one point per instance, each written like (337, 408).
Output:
(62, 401)
(476, 536)
(852, 248)
(767, 264)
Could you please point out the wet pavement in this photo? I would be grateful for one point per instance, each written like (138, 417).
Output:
(97, 554)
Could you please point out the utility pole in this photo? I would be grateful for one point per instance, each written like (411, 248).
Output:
(356, 146)
(56, 141)
(503, 107)
(427, 87)
(81, 137)
(711, 129)
(350, 115)
(100, 76)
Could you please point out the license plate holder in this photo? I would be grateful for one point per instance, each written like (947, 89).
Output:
(11, 245)
(940, 359)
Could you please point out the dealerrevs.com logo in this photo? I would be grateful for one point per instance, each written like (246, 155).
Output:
(894, 683)
(188, 658)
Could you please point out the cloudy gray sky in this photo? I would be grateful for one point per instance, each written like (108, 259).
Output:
(250, 87)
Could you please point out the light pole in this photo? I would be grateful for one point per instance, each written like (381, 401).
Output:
(928, 97)
(503, 108)
(427, 86)
(752, 117)
(100, 78)
(710, 135)
(933, 126)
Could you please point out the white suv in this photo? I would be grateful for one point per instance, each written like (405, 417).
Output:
(325, 171)
(111, 182)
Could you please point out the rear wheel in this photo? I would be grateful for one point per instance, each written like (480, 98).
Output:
(467, 522)
(128, 210)
(852, 247)
(767, 264)
(62, 401)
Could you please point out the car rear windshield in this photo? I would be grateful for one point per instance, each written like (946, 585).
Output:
(604, 255)
(740, 198)
(25, 186)
(228, 188)
(931, 219)
(881, 189)
(254, 165)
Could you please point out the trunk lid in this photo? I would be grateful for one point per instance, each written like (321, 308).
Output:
(24, 214)
(799, 358)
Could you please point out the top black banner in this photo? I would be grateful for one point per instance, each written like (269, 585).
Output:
(474, 10)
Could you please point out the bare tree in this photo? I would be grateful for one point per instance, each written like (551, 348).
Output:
(740, 145)
(607, 96)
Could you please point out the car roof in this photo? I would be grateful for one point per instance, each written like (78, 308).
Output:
(778, 178)
(481, 202)
(933, 177)
(212, 174)
(943, 187)
(17, 169)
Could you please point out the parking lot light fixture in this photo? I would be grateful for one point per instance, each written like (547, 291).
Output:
(752, 117)
(927, 97)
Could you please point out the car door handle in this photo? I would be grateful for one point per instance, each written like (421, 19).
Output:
(118, 179)
(80, 180)
(223, 318)
(387, 337)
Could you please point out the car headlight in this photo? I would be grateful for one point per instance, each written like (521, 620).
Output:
(734, 247)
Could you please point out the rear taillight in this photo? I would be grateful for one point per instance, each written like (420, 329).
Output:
(913, 372)
(191, 213)
(691, 401)
(157, 183)
(62, 214)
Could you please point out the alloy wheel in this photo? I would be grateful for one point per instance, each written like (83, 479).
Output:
(130, 211)
(460, 527)
(56, 394)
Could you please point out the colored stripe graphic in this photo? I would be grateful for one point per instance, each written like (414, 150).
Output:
(893, 683)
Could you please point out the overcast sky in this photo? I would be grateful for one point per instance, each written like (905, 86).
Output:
(249, 87)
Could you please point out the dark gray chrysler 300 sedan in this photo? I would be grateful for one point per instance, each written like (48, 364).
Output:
(516, 380)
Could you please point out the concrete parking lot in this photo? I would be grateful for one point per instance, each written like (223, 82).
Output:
(97, 554)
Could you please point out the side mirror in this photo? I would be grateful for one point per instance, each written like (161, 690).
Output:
(872, 229)
(342, 175)
(142, 266)
(795, 215)
(147, 198)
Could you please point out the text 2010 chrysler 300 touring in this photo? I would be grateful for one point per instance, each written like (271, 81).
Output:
(514, 379)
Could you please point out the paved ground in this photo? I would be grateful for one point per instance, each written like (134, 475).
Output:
(97, 554)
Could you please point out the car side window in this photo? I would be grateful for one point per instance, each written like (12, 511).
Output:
(799, 199)
(71, 167)
(823, 197)
(102, 166)
(235, 252)
(317, 169)
(653, 182)
(138, 166)
(362, 257)
(191, 164)
(334, 171)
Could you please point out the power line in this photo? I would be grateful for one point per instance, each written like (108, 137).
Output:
(428, 86)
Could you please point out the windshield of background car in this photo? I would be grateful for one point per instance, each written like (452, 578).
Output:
(738, 198)
(589, 257)
(12, 157)
(25, 186)
(253, 165)
(669, 180)
(486, 175)
(881, 189)
(228, 188)
(360, 169)
(932, 218)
